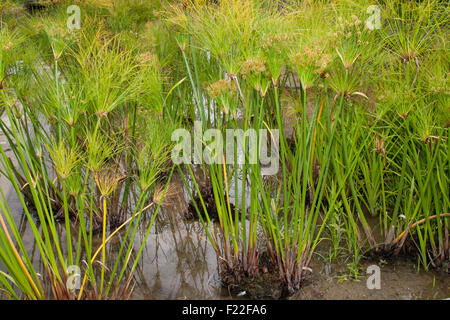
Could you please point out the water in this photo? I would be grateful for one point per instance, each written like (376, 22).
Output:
(179, 263)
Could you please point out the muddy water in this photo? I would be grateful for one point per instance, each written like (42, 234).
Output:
(400, 280)
(178, 262)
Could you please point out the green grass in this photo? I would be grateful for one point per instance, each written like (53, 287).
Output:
(364, 141)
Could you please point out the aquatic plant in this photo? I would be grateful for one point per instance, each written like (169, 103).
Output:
(362, 116)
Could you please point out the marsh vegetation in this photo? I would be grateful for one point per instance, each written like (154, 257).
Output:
(362, 111)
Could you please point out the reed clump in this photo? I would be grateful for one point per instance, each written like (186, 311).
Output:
(343, 164)
(356, 110)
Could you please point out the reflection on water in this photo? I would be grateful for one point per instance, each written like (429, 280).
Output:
(178, 263)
